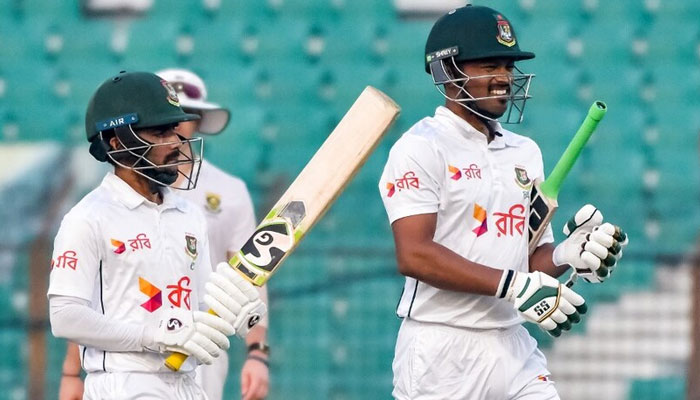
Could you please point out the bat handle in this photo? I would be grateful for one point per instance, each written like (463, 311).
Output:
(175, 360)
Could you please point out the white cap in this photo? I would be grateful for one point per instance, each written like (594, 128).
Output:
(192, 93)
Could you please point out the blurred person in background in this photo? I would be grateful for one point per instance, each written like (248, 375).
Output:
(131, 259)
(230, 221)
(456, 188)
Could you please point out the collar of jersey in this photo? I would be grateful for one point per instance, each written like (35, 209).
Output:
(503, 137)
(132, 199)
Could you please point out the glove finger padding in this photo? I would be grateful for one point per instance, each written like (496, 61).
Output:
(194, 348)
(214, 328)
(221, 310)
(224, 297)
(248, 290)
(592, 247)
(224, 281)
(234, 299)
(574, 299)
(596, 248)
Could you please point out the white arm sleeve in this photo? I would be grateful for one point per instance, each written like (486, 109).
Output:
(74, 320)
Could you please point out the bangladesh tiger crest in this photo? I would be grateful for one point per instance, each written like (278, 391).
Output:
(191, 245)
(505, 34)
(521, 178)
(172, 94)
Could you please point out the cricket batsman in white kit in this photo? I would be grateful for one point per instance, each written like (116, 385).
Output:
(456, 188)
(130, 271)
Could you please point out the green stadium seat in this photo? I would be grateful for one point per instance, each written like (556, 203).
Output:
(547, 38)
(289, 39)
(405, 53)
(668, 387)
(685, 33)
(356, 41)
(367, 8)
(151, 46)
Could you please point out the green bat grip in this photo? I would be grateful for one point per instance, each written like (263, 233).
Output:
(550, 187)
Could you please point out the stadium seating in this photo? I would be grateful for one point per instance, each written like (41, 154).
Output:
(289, 69)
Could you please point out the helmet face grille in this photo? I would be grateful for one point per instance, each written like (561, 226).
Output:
(517, 96)
(134, 154)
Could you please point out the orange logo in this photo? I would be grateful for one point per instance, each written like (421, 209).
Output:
(456, 173)
(480, 216)
(390, 188)
(118, 246)
(155, 299)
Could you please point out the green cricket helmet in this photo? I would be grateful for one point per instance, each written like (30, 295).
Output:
(474, 33)
(129, 102)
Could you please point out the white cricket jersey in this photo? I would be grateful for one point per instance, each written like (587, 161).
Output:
(132, 259)
(480, 192)
(228, 208)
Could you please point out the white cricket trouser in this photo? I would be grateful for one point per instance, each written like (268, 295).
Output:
(142, 386)
(212, 378)
(438, 362)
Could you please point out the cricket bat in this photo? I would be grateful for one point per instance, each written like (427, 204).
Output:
(313, 191)
(543, 197)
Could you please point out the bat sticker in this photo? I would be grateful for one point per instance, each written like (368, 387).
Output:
(268, 245)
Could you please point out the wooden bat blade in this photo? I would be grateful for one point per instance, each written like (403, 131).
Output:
(317, 186)
(313, 191)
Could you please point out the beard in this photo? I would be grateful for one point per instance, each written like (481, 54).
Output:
(164, 176)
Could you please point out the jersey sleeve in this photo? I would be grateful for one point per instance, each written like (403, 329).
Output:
(75, 262)
(242, 221)
(410, 183)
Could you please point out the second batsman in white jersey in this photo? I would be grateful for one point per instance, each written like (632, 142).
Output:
(456, 188)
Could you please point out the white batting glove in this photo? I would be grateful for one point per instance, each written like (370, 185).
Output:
(196, 334)
(542, 300)
(234, 299)
(592, 247)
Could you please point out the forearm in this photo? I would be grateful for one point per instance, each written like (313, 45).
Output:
(442, 268)
(72, 319)
(541, 260)
(71, 364)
